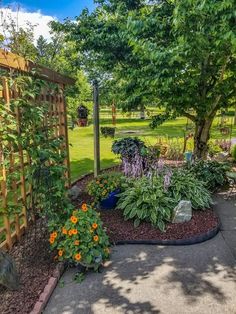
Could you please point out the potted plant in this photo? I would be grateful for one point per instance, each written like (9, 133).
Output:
(108, 131)
(83, 113)
(104, 190)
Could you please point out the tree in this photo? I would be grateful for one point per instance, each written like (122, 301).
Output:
(177, 53)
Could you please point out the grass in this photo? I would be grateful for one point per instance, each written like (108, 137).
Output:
(81, 140)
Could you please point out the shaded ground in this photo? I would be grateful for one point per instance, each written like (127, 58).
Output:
(139, 279)
(35, 265)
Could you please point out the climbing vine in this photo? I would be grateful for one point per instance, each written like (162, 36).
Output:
(27, 123)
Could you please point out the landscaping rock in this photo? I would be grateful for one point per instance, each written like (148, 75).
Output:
(74, 192)
(182, 212)
(8, 274)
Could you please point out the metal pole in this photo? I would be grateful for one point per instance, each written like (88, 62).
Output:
(96, 129)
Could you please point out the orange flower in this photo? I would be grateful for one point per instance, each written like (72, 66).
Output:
(101, 185)
(76, 242)
(84, 207)
(51, 240)
(73, 219)
(60, 252)
(95, 238)
(78, 257)
(53, 235)
(70, 232)
(97, 182)
(94, 225)
(64, 231)
(74, 231)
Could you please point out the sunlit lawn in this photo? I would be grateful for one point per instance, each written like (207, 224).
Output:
(81, 139)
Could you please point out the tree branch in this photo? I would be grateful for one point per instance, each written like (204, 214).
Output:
(190, 116)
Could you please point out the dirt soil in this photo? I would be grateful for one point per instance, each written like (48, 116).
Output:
(35, 264)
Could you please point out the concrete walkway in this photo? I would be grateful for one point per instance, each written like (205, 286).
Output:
(199, 279)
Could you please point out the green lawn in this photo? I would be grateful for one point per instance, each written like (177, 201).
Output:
(81, 140)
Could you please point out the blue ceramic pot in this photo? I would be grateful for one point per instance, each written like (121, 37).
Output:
(188, 156)
(111, 201)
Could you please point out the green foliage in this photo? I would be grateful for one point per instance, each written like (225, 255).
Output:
(175, 54)
(81, 238)
(144, 200)
(211, 172)
(108, 131)
(104, 184)
(233, 152)
(127, 147)
(185, 186)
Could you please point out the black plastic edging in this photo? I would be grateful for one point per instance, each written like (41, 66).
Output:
(194, 240)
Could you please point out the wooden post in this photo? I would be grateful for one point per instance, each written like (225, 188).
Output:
(96, 129)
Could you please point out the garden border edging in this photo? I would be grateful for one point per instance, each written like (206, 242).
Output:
(190, 241)
(48, 289)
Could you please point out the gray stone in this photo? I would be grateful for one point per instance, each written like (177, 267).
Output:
(8, 275)
(182, 212)
(74, 192)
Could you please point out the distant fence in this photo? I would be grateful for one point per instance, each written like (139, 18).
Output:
(13, 226)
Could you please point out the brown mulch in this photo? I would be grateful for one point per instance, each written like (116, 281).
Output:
(35, 265)
(120, 230)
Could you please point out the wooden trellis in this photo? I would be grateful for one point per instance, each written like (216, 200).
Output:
(12, 227)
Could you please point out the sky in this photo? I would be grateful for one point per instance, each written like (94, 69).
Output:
(41, 12)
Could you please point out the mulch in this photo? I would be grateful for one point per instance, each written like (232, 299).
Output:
(35, 265)
(120, 230)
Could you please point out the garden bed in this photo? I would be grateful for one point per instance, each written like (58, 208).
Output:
(203, 225)
(35, 264)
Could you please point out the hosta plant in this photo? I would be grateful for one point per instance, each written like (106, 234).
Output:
(104, 184)
(81, 239)
(146, 199)
(211, 172)
(185, 186)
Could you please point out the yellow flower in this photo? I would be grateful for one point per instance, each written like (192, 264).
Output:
(95, 238)
(84, 207)
(101, 185)
(78, 257)
(73, 219)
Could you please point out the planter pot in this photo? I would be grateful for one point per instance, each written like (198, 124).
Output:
(111, 201)
(188, 156)
(83, 122)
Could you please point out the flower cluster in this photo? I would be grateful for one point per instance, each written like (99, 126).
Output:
(100, 188)
(81, 239)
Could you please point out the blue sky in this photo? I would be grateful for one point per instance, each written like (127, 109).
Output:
(60, 8)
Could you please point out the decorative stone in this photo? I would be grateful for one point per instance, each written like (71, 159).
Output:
(74, 192)
(182, 212)
(8, 275)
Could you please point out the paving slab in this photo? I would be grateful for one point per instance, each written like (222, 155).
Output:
(198, 279)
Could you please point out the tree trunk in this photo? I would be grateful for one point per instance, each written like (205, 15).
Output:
(201, 137)
(235, 114)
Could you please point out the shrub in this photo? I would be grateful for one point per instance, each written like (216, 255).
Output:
(104, 184)
(145, 200)
(108, 131)
(211, 172)
(127, 147)
(81, 239)
(185, 186)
